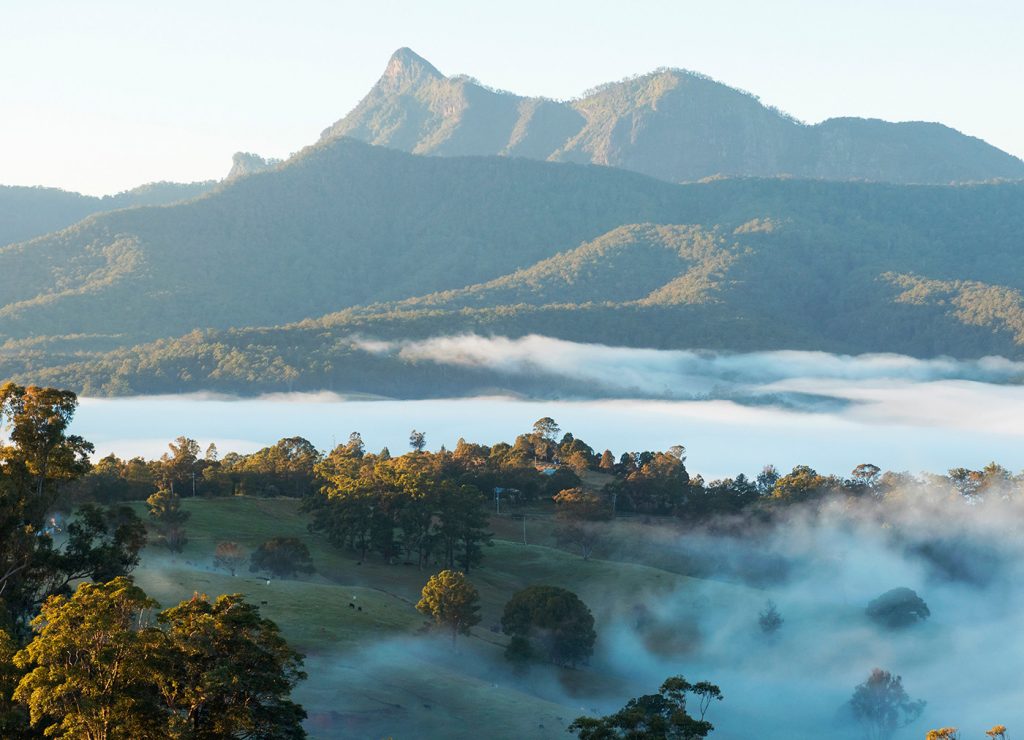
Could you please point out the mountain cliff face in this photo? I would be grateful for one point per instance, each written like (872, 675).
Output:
(247, 163)
(671, 124)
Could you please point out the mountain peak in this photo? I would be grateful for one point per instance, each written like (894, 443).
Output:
(674, 124)
(407, 66)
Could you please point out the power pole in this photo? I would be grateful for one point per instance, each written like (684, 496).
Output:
(524, 529)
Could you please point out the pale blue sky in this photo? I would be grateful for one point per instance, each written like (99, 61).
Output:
(105, 95)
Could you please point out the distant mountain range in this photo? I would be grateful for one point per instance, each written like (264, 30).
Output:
(671, 124)
(29, 212)
(335, 245)
(283, 274)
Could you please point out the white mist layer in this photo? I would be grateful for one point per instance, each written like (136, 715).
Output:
(673, 371)
(897, 412)
(963, 660)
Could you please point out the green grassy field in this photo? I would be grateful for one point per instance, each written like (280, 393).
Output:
(375, 671)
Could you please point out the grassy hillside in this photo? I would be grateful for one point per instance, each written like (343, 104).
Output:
(672, 124)
(373, 673)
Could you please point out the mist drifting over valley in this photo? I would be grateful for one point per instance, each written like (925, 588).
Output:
(820, 565)
(734, 412)
(600, 398)
(690, 604)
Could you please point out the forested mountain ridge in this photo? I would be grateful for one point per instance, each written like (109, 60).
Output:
(841, 267)
(344, 224)
(643, 264)
(671, 124)
(30, 212)
(341, 224)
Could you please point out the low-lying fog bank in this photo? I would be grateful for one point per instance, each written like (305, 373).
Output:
(734, 413)
(964, 560)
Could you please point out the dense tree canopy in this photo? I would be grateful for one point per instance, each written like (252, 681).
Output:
(898, 607)
(100, 668)
(549, 623)
(227, 672)
(90, 671)
(37, 459)
(660, 716)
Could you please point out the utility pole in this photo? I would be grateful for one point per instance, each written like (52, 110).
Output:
(524, 529)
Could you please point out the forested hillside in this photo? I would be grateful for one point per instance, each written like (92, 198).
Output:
(672, 124)
(340, 225)
(29, 212)
(839, 267)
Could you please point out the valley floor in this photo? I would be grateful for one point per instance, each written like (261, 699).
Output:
(375, 670)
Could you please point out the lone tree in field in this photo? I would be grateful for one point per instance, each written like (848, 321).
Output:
(882, 705)
(655, 716)
(283, 557)
(770, 620)
(165, 509)
(549, 622)
(417, 440)
(900, 607)
(452, 601)
(580, 516)
(229, 556)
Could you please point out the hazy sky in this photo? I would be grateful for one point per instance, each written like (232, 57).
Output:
(102, 96)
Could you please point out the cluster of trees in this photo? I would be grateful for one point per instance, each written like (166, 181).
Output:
(431, 507)
(99, 667)
(661, 715)
(417, 506)
(658, 483)
(282, 469)
(90, 662)
(280, 557)
(37, 458)
(545, 623)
